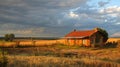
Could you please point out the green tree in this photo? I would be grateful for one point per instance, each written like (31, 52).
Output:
(9, 37)
(104, 33)
(6, 37)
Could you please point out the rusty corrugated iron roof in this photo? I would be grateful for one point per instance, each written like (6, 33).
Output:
(80, 34)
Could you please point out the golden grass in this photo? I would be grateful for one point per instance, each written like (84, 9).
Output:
(7, 44)
(28, 43)
(107, 54)
(25, 43)
(40, 42)
(43, 61)
(87, 57)
(45, 42)
(113, 39)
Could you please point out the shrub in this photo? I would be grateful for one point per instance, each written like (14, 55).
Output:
(111, 44)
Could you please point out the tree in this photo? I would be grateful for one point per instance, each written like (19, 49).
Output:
(104, 33)
(9, 37)
(6, 37)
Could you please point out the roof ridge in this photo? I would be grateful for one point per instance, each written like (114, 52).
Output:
(85, 30)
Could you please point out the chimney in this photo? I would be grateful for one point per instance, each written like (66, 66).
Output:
(74, 30)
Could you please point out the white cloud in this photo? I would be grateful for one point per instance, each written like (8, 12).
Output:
(112, 10)
(110, 14)
(117, 34)
(118, 23)
(75, 9)
(73, 15)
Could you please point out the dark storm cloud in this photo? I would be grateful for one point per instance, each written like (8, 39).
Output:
(52, 17)
(18, 15)
(12, 12)
(47, 13)
(55, 4)
(91, 17)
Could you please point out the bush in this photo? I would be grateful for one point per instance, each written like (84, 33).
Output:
(111, 44)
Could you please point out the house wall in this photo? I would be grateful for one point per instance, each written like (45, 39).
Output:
(77, 41)
(87, 42)
(96, 39)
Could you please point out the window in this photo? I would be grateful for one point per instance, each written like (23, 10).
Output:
(84, 41)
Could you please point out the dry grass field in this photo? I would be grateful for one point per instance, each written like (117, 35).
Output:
(28, 43)
(62, 56)
(41, 42)
(7, 44)
(50, 53)
(43, 61)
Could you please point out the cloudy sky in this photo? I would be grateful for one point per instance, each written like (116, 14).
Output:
(55, 18)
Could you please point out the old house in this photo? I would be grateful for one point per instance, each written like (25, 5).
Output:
(84, 38)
